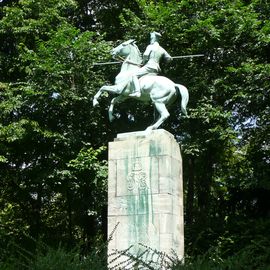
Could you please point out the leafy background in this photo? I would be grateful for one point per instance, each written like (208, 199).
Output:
(53, 153)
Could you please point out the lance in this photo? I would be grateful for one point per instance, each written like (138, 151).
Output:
(115, 62)
(137, 64)
(187, 56)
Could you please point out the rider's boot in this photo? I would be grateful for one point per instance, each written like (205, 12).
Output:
(137, 88)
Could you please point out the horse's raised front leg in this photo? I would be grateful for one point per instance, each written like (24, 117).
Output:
(164, 114)
(113, 102)
(96, 96)
(116, 89)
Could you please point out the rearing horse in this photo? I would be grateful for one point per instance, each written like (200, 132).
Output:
(156, 89)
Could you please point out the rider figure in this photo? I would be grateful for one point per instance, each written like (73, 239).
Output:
(151, 58)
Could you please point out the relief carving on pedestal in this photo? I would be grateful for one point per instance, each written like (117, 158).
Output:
(136, 179)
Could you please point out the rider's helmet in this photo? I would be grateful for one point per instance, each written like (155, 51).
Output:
(154, 36)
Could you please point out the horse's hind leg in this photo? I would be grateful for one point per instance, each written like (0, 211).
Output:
(164, 114)
(110, 111)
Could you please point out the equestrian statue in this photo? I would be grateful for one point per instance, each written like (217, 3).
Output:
(138, 79)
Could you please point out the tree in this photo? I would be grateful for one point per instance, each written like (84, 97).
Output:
(52, 139)
(228, 105)
(47, 122)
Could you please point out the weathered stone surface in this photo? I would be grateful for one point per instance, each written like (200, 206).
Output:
(145, 194)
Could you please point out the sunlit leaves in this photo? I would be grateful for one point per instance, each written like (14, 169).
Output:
(47, 118)
(51, 163)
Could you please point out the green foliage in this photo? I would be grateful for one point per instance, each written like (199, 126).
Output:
(21, 24)
(224, 142)
(253, 256)
(61, 259)
(49, 258)
(41, 114)
(42, 129)
(52, 156)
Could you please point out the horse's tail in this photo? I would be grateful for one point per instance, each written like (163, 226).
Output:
(184, 95)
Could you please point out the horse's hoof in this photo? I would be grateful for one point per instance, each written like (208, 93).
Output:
(95, 103)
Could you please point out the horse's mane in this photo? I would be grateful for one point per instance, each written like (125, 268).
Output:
(138, 53)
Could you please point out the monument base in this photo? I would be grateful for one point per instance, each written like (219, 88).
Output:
(145, 195)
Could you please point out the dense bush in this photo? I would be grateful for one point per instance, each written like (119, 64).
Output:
(255, 255)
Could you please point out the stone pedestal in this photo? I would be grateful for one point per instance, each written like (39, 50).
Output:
(145, 194)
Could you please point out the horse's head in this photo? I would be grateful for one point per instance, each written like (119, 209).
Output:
(124, 49)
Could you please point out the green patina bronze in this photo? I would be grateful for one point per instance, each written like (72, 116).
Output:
(138, 79)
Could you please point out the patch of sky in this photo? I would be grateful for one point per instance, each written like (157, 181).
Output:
(55, 95)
